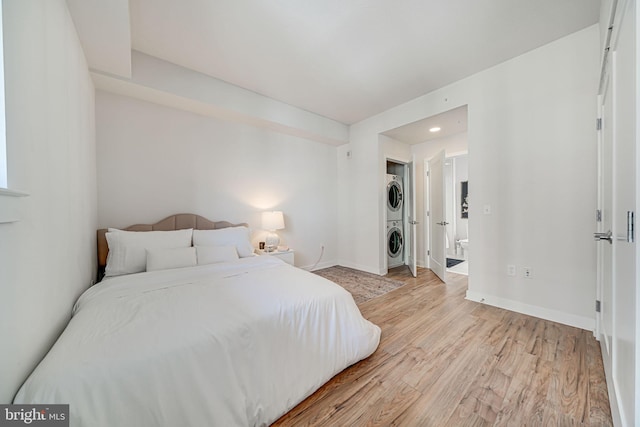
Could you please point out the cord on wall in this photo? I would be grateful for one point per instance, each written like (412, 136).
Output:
(319, 258)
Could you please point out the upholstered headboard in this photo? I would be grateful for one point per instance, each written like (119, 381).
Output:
(174, 222)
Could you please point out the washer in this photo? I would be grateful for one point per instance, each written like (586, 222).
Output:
(395, 198)
(395, 244)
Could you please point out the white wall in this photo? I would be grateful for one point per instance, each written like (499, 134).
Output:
(48, 258)
(155, 161)
(161, 82)
(393, 150)
(532, 154)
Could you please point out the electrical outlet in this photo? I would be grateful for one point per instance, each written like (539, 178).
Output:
(527, 272)
(511, 270)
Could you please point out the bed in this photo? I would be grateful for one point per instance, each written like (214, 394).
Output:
(236, 342)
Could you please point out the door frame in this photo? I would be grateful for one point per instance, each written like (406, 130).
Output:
(426, 215)
(410, 220)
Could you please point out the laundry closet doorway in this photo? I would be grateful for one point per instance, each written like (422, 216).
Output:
(400, 219)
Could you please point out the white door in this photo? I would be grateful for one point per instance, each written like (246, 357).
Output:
(437, 216)
(412, 223)
(617, 322)
(605, 223)
(623, 69)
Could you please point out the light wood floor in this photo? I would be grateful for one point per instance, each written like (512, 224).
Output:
(446, 361)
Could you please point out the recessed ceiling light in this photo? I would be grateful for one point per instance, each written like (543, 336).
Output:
(434, 129)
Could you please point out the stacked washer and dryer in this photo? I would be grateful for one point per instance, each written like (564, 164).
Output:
(395, 224)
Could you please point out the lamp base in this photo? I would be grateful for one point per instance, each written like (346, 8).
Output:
(271, 242)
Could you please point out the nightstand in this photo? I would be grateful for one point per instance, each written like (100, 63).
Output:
(286, 256)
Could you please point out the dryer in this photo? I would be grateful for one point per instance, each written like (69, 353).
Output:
(395, 244)
(395, 198)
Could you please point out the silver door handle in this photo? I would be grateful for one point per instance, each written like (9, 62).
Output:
(414, 222)
(442, 223)
(604, 236)
(631, 232)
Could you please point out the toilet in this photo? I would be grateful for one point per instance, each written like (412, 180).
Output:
(464, 247)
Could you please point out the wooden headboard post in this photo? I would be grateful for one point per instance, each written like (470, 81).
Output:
(171, 223)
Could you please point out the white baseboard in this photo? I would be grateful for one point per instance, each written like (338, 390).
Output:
(320, 266)
(359, 267)
(581, 322)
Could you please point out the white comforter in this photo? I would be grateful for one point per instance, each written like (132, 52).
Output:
(235, 344)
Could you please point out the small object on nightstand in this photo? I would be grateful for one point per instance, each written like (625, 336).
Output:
(261, 245)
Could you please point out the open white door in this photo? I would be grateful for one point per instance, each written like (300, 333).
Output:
(605, 222)
(412, 223)
(623, 342)
(437, 216)
(618, 193)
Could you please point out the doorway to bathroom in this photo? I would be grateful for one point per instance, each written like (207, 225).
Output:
(447, 204)
(456, 186)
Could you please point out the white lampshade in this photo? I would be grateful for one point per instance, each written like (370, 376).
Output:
(273, 220)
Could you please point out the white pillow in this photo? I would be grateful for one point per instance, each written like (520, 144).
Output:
(163, 259)
(232, 236)
(214, 254)
(128, 249)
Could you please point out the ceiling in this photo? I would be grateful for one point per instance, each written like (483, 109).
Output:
(450, 123)
(346, 60)
(349, 59)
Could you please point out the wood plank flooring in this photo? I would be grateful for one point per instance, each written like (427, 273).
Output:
(446, 361)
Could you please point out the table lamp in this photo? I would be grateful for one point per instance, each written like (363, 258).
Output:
(272, 221)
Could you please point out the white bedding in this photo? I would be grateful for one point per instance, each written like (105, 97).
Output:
(232, 344)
